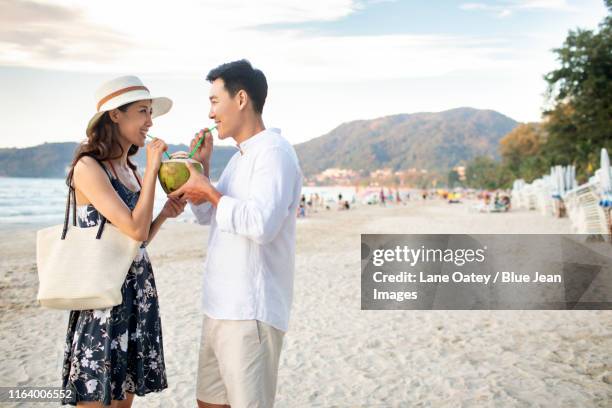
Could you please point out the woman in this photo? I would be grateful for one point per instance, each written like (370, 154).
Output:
(114, 353)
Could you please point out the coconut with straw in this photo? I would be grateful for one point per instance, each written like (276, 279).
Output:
(173, 172)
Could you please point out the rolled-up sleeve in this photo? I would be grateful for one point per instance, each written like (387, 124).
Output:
(261, 216)
(203, 212)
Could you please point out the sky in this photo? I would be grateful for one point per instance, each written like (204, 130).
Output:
(327, 61)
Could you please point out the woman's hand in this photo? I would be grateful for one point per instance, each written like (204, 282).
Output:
(204, 152)
(155, 149)
(173, 207)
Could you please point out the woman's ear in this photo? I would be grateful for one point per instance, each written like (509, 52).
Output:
(114, 115)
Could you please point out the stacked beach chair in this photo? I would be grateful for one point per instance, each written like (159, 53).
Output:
(519, 198)
(524, 196)
(544, 194)
(588, 205)
(583, 209)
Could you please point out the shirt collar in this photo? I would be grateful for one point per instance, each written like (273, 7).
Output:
(257, 139)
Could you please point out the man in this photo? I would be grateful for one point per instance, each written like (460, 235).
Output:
(248, 281)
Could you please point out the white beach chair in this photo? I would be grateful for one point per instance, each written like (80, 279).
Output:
(584, 211)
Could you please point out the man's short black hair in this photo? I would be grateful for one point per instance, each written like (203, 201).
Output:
(239, 75)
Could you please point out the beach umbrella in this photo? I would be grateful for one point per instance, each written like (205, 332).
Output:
(555, 181)
(604, 179)
(567, 176)
(605, 171)
(562, 179)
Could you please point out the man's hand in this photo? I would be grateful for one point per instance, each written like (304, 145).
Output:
(204, 152)
(197, 189)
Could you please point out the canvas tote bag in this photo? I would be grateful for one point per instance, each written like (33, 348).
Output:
(82, 268)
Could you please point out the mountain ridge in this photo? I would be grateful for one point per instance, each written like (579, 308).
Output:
(427, 140)
(423, 140)
(52, 159)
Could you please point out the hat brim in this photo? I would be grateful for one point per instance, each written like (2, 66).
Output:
(160, 106)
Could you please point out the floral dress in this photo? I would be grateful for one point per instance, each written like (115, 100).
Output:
(111, 351)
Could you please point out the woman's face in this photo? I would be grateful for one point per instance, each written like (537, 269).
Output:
(135, 122)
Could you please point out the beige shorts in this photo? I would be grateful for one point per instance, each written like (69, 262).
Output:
(238, 362)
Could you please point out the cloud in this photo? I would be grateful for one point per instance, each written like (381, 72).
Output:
(99, 36)
(193, 36)
(506, 8)
(15, 12)
(33, 33)
(559, 5)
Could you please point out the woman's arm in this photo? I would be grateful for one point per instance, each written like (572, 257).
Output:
(158, 221)
(172, 209)
(91, 180)
(155, 226)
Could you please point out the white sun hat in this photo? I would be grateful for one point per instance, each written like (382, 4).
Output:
(122, 90)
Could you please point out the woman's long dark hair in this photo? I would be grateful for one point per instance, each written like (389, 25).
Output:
(101, 142)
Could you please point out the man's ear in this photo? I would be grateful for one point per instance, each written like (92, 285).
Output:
(243, 99)
(114, 115)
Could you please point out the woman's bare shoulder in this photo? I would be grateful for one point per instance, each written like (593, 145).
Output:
(87, 167)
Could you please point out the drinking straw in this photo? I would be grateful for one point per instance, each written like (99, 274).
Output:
(197, 146)
(167, 155)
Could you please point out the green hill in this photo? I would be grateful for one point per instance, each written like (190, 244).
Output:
(434, 141)
(50, 160)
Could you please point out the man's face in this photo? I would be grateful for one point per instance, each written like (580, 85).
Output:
(224, 109)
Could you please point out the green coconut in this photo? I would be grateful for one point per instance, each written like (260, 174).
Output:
(173, 173)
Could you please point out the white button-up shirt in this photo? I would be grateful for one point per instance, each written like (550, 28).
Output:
(251, 248)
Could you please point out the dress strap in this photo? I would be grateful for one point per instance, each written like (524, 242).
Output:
(117, 177)
(137, 179)
(113, 169)
(103, 166)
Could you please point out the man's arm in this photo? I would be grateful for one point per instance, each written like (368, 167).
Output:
(261, 215)
(203, 212)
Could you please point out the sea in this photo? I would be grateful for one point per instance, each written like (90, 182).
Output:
(42, 201)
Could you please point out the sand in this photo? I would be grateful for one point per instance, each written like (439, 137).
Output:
(334, 353)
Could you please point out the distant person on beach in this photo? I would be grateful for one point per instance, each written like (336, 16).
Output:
(487, 197)
(382, 197)
(507, 205)
(302, 208)
(114, 353)
(317, 202)
(248, 281)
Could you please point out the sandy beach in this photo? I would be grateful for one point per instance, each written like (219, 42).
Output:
(334, 353)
